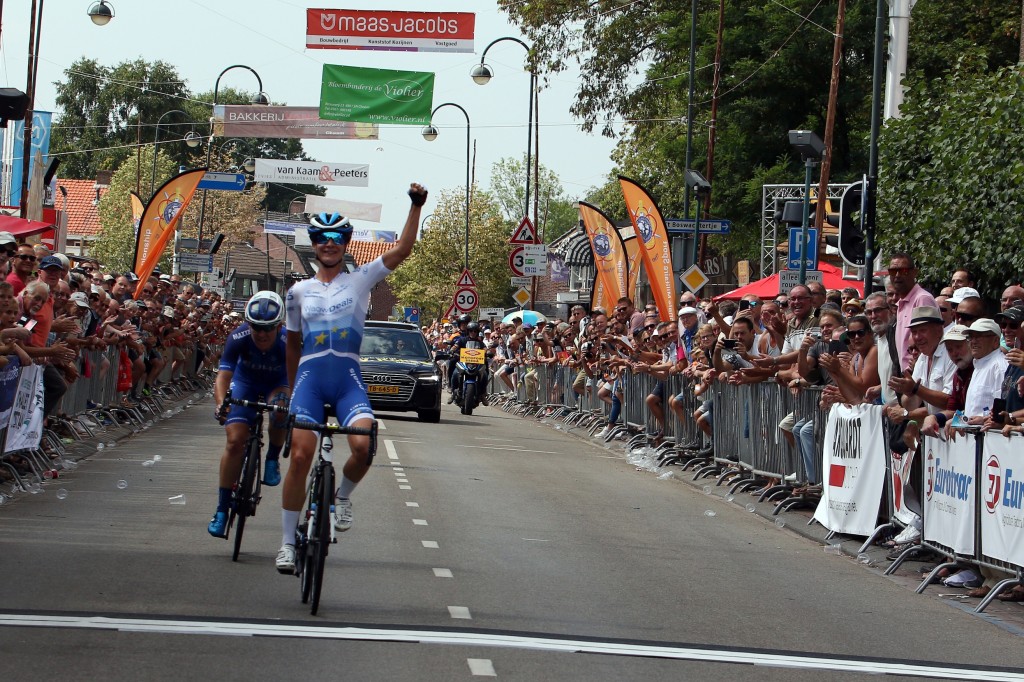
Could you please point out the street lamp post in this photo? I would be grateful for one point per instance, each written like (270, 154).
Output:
(430, 134)
(482, 74)
(810, 148)
(191, 139)
(260, 98)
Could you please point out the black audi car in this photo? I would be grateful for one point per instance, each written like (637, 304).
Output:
(399, 371)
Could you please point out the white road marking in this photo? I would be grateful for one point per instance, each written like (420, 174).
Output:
(397, 468)
(707, 654)
(401, 480)
(481, 667)
(405, 487)
(381, 426)
(488, 447)
(412, 504)
(443, 573)
(461, 612)
(510, 440)
(389, 446)
(419, 522)
(430, 544)
(535, 540)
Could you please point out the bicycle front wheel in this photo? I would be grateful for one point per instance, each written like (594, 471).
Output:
(245, 498)
(321, 543)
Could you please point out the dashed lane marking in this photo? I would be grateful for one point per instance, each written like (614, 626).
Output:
(517, 640)
(460, 612)
(405, 487)
(490, 447)
(419, 522)
(481, 667)
(412, 504)
(430, 544)
(443, 573)
(389, 446)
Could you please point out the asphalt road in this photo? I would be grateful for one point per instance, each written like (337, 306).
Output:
(484, 545)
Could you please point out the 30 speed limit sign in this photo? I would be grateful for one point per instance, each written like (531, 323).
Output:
(465, 300)
(516, 261)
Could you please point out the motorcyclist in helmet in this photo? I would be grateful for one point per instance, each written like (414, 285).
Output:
(470, 339)
(463, 322)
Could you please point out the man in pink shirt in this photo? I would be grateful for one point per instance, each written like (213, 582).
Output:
(909, 295)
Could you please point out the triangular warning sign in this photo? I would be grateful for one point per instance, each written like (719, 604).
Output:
(524, 234)
(466, 280)
(450, 315)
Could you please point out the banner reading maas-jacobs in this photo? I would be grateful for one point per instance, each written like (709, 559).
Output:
(609, 252)
(654, 246)
(352, 93)
(158, 220)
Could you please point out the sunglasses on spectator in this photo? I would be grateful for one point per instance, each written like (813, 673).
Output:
(944, 310)
(782, 304)
(148, 291)
(856, 333)
(27, 257)
(650, 326)
(335, 236)
(900, 270)
(799, 298)
(966, 317)
(9, 252)
(1007, 324)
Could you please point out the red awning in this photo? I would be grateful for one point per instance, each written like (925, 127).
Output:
(831, 277)
(22, 228)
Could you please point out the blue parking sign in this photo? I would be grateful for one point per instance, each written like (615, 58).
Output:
(795, 239)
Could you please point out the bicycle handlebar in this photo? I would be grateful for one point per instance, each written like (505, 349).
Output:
(254, 404)
(335, 428)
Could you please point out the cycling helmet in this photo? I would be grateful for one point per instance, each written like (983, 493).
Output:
(264, 309)
(472, 327)
(319, 223)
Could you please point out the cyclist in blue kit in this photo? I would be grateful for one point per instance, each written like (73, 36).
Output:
(252, 367)
(324, 318)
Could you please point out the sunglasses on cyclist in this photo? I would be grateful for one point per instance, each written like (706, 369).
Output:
(330, 235)
(262, 327)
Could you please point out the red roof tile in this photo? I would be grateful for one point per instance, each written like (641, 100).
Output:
(83, 219)
(364, 252)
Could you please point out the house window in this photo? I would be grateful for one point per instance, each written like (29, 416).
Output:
(581, 277)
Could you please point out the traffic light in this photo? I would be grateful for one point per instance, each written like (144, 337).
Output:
(851, 236)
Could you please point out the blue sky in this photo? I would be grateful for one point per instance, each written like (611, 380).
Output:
(201, 38)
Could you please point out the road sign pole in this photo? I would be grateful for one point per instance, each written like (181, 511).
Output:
(808, 167)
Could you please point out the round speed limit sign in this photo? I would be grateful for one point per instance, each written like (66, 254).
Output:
(465, 300)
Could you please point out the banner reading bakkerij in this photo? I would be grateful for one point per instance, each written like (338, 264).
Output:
(353, 93)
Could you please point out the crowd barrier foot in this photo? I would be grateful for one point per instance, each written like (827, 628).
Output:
(901, 558)
(875, 534)
(706, 470)
(19, 482)
(931, 576)
(794, 502)
(745, 484)
(697, 459)
(997, 590)
(773, 491)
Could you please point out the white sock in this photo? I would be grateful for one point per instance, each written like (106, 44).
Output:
(289, 521)
(346, 488)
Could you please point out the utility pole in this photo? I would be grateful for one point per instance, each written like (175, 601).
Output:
(830, 121)
(715, 86)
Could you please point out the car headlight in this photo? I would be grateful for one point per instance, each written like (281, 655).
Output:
(429, 378)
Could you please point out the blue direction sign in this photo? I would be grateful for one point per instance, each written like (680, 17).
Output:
(195, 262)
(706, 226)
(795, 237)
(223, 182)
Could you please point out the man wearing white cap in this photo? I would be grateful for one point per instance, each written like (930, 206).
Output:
(955, 341)
(928, 389)
(989, 369)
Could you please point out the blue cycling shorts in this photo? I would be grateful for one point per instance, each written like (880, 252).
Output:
(247, 415)
(333, 381)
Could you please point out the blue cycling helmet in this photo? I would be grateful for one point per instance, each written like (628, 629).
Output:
(329, 222)
(265, 308)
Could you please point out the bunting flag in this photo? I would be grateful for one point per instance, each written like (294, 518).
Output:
(632, 245)
(156, 226)
(655, 252)
(609, 253)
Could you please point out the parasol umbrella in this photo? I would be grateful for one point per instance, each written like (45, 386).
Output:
(530, 317)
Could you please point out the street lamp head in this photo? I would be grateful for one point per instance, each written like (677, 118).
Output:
(429, 133)
(193, 139)
(481, 74)
(261, 99)
(808, 145)
(249, 165)
(101, 13)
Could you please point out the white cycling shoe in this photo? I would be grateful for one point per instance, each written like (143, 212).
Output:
(342, 514)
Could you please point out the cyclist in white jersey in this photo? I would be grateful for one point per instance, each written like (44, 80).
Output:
(324, 318)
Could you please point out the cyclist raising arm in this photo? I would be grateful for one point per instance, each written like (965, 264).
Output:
(324, 319)
(252, 366)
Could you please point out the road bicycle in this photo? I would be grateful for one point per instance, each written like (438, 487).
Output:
(246, 493)
(315, 532)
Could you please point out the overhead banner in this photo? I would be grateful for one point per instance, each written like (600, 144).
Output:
(313, 172)
(949, 492)
(608, 249)
(853, 469)
(41, 121)
(357, 210)
(159, 219)
(251, 120)
(1002, 491)
(354, 93)
(655, 252)
(356, 29)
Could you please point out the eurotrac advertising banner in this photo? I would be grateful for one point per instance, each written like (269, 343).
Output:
(608, 250)
(357, 29)
(313, 172)
(1002, 498)
(853, 469)
(949, 497)
(354, 93)
(41, 121)
(655, 250)
(25, 427)
(253, 120)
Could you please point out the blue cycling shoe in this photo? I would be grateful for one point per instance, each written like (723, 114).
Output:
(218, 527)
(271, 472)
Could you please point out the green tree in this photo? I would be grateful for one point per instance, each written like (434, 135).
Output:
(428, 278)
(949, 195)
(556, 212)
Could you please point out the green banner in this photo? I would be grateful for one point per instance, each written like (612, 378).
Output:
(352, 93)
